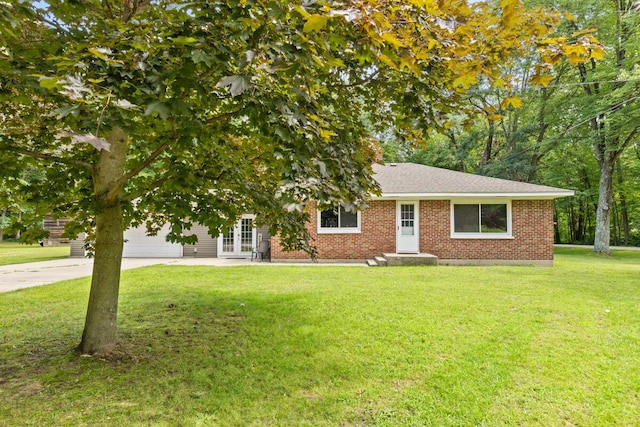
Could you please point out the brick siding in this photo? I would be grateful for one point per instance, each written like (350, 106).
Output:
(532, 230)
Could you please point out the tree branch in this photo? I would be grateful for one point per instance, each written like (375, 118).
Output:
(222, 116)
(131, 7)
(629, 138)
(154, 185)
(152, 158)
(50, 157)
(360, 82)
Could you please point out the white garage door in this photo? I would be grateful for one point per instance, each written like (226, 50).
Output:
(138, 245)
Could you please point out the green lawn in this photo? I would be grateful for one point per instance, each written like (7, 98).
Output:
(16, 253)
(316, 346)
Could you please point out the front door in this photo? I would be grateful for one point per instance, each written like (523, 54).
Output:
(239, 240)
(407, 239)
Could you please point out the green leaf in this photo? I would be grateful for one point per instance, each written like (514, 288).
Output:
(62, 112)
(158, 107)
(198, 56)
(315, 22)
(48, 82)
(239, 84)
(184, 40)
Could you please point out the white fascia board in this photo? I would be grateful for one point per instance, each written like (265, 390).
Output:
(448, 196)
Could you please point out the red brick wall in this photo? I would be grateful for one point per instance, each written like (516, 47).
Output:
(532, 230)
(532, 224)
(378, 235)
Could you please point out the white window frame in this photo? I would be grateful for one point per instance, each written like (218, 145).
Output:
(480, 234)
(340, 230)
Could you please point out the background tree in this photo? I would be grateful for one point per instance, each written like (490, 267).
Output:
(592, 104)
(180, 112)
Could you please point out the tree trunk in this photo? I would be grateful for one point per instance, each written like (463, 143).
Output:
(100, 332)
(19, 229)
(605, 198)
(2, 217)
(624, 210)
(453, 143)
(488, 146)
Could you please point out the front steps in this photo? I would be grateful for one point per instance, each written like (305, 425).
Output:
(393, 260)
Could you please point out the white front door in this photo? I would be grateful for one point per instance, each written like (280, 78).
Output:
(407, 239)
(239, 240)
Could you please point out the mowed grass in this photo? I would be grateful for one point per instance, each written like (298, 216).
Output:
(331, 346)
(17, 253)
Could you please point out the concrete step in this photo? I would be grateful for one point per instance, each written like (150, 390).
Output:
(372, 263)
(410, 259)
(382, 262)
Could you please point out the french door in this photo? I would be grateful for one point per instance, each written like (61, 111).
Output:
(239, 240)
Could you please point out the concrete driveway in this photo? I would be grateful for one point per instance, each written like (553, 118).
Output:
(18, 276)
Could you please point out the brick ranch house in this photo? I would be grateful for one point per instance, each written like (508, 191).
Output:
(460, 218)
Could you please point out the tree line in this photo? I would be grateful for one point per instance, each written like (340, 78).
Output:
(580, 130)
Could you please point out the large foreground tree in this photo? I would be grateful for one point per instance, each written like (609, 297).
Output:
(154, 111)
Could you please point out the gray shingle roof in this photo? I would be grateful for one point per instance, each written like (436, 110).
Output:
(410, 179)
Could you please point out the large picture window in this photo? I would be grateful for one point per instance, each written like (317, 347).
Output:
(338, 220)
(488, 220)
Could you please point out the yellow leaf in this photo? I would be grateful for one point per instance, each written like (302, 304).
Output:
(335, 62)
(97, 52)
(465, 81)
(420, 54)
(498, 83)
(315, 22)
(410, 64)
(384, 58)
(512, 101)
(327, 134)
(389, 37)
(552, 41)
(581, 33)
(315, 118)
(570, 17)
(541, 79)
(597, 53)
(509, 3)
(302, 12)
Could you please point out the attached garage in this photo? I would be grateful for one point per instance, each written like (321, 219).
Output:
(238, 243)
(138, 245)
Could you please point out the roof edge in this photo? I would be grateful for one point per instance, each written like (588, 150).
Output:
(532, 196)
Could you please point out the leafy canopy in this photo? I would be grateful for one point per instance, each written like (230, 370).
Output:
(241, 105)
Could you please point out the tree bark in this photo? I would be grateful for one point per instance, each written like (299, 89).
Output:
(2, 217)
(605, 199)
(19, 229)
(100, 332)
(624, 210)
(488, 146)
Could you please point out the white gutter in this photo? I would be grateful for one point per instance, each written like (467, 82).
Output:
(447, 196)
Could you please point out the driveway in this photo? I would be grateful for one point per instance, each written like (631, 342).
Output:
(18, 276)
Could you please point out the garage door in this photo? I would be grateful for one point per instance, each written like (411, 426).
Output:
(138, 245)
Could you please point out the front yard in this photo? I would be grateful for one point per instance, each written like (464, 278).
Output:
(296, 345)
(16, 253)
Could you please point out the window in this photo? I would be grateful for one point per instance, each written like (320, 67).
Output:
(338, 220)
(481, 220)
